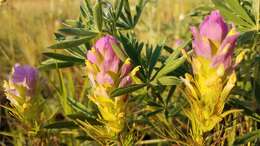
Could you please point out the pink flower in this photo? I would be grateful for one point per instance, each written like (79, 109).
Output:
(214, 40)
(109, 66)
(25, 77)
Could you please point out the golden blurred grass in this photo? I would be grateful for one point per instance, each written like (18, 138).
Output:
(27, 26)
(164, 20)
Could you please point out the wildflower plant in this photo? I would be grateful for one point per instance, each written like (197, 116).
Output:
(22, 91)
(27, 104)
(107, 72)
(213, 74)
(114, 89)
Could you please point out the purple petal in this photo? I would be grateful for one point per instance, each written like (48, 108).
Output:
(224, 55)
(25, 75)
(114, 64)
(214, 27)
(201, 46)
(225, 59)
(104, 78)
(91, 56)
(231, 40)
(125, 81)
(104, 45)
(125, 69)
(19, 74)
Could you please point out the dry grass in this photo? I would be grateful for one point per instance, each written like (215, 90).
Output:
(27, 26)
(163, 20)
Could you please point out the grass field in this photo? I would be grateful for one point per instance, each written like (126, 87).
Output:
(27, 26)
(140, 91)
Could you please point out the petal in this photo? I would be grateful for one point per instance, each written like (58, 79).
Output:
(104, 45)
(31, 78)
(225, 53)
(126, 68)
(19, 74)
(201, 45)
(25, 75)
(125, 81)
(231, 39)
(104, 78)
(214, 27)
(91, 56)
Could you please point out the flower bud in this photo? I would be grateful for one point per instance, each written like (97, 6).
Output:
(214, 40)
(22, 82)
(213, 74)
(107, 72)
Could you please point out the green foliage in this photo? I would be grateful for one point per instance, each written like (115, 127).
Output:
(156, 103)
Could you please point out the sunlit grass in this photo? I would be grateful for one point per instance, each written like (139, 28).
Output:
(27, 28)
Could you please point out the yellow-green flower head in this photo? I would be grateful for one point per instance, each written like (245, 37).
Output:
(22, 83)
(107, 72)
(213, 73)
(103, 65)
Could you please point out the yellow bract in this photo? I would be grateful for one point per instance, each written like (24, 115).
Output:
(206, 92)
(112, 110)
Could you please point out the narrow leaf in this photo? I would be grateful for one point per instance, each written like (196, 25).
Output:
(98, 16)
(119, 6)
(168, 80)
(78, 32)
(71, 43)
(79, 107)
(247, 137)
(238, 9)
(55, 65)
(119, 52)
(171, 66)
(177, 52)
(64, 57)
(62, 124)
(154, 58)
(126, 90)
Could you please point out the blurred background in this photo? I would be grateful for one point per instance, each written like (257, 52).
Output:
(27, 26)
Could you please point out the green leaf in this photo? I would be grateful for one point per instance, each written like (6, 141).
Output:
(71, 43)
(229, 14)
(61, 125)
(64, 57)
(167, 80)
(139, 8)
(119, 6)
(154, 112)
(84, 138)
(88, 6)
(154, 58)
(237, 103)
(154, 104)
(177, 52)
(53, 64)
(80, 107)
(98, 16)
(126, 90)
(238, 9)
(83, 117)
(247, 137)
(149, 52)
(119, 52)
(170, 66)
(78, 32)
(77, 52)
(128, 13)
